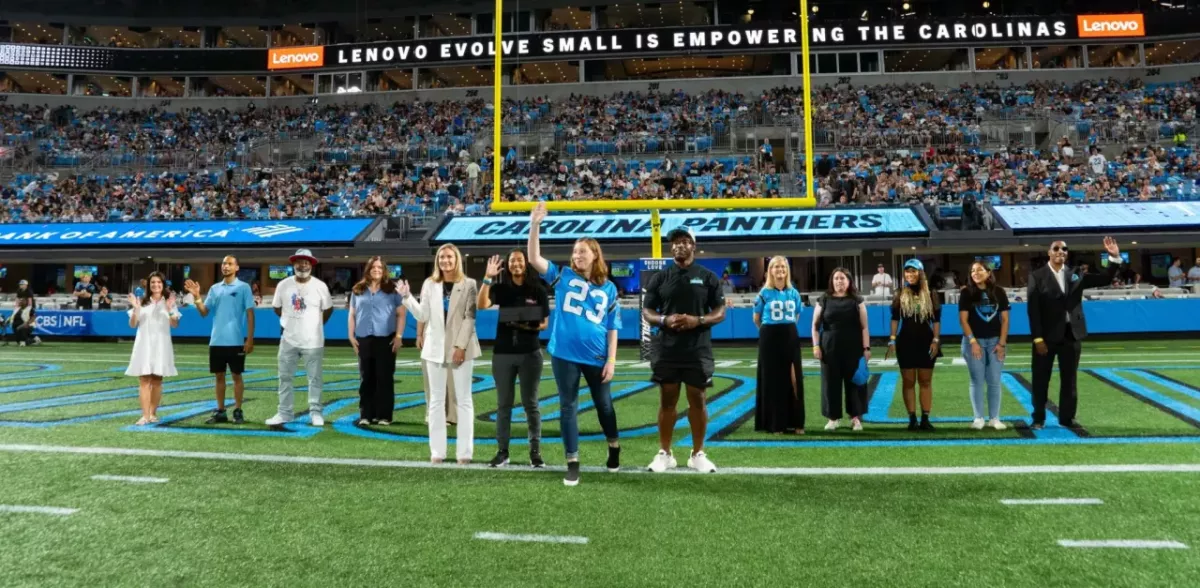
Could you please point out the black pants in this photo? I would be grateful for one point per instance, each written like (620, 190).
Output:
(837, 379)
(21, 332)
(1067, 351)
(506, 367)
(377, 368)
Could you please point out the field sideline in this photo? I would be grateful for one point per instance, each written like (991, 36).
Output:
(194, 505)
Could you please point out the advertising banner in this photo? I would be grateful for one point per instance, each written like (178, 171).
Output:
(734, 225)
(183, 233)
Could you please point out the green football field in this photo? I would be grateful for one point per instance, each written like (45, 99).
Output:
(88, 499)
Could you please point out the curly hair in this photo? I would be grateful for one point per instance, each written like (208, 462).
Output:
(916, 304)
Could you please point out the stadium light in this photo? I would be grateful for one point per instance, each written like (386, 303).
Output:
(906, 6)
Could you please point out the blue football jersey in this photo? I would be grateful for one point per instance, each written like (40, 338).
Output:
(778, 307)
(583, 315)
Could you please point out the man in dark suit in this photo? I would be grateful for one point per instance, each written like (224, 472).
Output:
(1057, 323)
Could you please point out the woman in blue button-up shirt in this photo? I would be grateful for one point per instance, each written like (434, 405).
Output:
(376, 325)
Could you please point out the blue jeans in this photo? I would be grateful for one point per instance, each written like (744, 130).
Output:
(985, 374)
(566, 375)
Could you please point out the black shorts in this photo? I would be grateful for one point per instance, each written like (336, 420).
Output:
(232, 357)
(697, 373)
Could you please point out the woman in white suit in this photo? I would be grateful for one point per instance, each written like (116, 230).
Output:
(447, 306)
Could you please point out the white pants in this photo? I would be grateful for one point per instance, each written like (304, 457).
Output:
(461, 375)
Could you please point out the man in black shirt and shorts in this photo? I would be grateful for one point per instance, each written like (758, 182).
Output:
(684, 301)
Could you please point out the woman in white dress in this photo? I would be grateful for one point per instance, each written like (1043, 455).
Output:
(154, 315)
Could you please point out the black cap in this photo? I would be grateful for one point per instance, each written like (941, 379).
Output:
(681, 232)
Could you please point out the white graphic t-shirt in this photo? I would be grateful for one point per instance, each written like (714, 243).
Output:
(303, 308)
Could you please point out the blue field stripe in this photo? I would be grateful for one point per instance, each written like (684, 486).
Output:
(880, 407)
(1053, 430)
(1184, 390)
(1182, 408)
(730, 407)
(1072, 440)
(95, 417)
(54, 384)
(116, 394)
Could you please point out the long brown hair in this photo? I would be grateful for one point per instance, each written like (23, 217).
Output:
(599, 273)
(851, 291)
(989, 285)
(386, 284)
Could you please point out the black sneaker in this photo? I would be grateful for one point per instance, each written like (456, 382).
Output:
(500, 460)
(614, 459)
(572, 478)
(1038, 426)
(912, 425)
(218, 416)
(926, 425)
(238, 417)
(535, 459)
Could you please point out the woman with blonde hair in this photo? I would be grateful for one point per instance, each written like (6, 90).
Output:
(376, 324)
(447, 306)
(915, 339)
(153, 358)
(779, 406)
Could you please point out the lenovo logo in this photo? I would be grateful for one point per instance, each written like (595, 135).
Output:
(1112, 25)
(295, 57)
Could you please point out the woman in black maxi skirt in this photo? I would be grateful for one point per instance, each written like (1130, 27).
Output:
(779, 405)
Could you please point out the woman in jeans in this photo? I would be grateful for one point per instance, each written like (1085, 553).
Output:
(983, 313)
(583, 339)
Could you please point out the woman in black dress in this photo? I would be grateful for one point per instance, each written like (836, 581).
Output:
(916, 327)
(841, 338)
(779, 405)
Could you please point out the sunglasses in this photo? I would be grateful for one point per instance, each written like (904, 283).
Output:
(1063, 248)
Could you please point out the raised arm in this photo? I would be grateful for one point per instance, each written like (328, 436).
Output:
(536, 260)
(1114, 265)
(415, 306)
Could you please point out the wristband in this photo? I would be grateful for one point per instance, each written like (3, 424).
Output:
(892, 343)
(487, 282)
(972, 339)
(866, 348)
(936, 340)
(1038, 340)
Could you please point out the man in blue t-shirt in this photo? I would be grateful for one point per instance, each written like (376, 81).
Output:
(232, 305)
(84, 291)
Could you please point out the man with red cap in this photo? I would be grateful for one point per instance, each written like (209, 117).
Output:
(303, 305)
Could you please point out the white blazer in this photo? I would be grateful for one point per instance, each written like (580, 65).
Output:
(442, 336)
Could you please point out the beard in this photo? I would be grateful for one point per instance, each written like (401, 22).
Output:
(304, 275)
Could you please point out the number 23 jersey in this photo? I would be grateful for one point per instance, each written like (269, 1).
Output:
(583, 315)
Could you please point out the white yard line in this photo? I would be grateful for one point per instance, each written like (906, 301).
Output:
(130, 479)
(488, 536)
(1183, 468)
(1050, 501)
(49, 510)
(1123, 544)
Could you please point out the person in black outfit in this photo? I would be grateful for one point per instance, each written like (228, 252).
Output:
(104, 299)
(779, 399)
(841, 339)
(84, 291)
(517, 351)
(684, 301)
(1058, 325)
(917, 315)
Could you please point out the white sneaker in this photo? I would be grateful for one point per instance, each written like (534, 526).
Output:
(22, 344)
(317, 419)
(997, 424)
(832, 425)
(277, 420)
(977, 424)
(700, 462)
(37, 340)
(856, 424)
(662, 462)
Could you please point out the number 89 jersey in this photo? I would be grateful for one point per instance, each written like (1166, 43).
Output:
(583, 315)
(778, 307)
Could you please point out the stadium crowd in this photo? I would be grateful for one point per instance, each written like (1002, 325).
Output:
(421, 157)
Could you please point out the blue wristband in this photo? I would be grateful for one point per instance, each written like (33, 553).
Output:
(487, 281)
